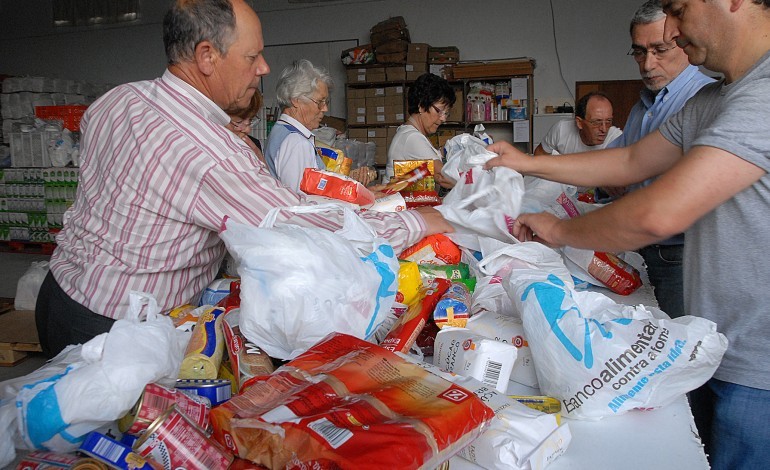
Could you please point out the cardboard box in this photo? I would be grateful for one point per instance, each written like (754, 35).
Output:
(356, 93)
(376, 133)
(356, 119)
(394, 91)
(445, 71)
(417, 52)
(356, 106)
(394, 118)
(359, 134)
(417, 67)
(394, 100)
(447, 54)
(375, 118)
(395, 74)
(493, 68)
(391, 132)
(412, 76)
(356, 75)
(18, 336)
(374, 92)
(334, 122)
(457, 111)
(375, 101)
(375, 74)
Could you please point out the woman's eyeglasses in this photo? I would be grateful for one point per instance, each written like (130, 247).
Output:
(245, 123)
(320, 103)
(441, 112)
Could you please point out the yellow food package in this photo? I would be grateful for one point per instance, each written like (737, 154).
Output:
(334, 159)
(402, 167)
(206, 347)
(409, 282)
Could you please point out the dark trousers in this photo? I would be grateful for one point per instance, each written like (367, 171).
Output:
(61, 321)
(665, 270)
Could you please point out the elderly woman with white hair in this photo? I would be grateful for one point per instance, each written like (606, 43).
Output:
(303, 95)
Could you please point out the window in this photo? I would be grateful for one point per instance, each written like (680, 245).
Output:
(94, 12)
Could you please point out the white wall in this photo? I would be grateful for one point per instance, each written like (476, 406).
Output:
(592, 37)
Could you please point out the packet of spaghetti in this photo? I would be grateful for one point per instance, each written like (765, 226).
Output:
(404, 332)
(346, 403)
(403, 167)
(404, 181)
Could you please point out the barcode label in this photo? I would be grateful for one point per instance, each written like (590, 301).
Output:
(223, 394)
(492, 372)
(109, 450)
(334, 436)
(156, 402)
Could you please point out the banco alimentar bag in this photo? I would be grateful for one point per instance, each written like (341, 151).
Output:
(601, 358)
(299, 284)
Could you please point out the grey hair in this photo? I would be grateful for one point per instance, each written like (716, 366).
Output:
(190, 22)
(650, 12)
(300, 79)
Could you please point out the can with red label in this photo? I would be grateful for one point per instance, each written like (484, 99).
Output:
(155, 400)
(175, 442)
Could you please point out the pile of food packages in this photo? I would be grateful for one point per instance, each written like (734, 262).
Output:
(349, 355)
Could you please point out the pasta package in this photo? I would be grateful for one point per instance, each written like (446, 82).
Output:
(433, 249)
(335, 186)
(334, 159)
(206, 347)
(348, 403)
(402, 168)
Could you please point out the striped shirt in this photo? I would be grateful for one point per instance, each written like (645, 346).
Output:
(159, 172)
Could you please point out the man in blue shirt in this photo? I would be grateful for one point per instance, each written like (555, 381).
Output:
(669, 82)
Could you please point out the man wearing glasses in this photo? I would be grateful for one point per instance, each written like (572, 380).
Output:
(591, 129)
(669, 82)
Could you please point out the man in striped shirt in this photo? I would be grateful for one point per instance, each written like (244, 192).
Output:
(160, 171)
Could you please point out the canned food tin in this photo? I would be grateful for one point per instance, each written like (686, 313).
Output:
(175, 442)
(113, 453)
(155, 400)
(216, 390)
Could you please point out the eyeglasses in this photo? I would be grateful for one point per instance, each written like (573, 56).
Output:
(245, 123)
(441, 112)
(640, 54)
(597, 123)
(320, 103)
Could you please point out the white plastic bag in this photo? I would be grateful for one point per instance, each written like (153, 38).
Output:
(483, 203)
(601, 358)
(29, 285)
(89, 385)
(299, 284)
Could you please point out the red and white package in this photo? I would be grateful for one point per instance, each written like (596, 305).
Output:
(619, 276)
(347, 403)
(433, 249)
(335, 186)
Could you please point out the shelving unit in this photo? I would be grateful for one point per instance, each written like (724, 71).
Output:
(376, 107)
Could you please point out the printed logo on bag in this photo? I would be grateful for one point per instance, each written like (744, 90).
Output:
(455, 394)
(518, 341)
(509, 221)
(322, 183)
(469, 176)
(467, 344)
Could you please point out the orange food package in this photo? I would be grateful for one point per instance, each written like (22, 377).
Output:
(619, 276)
(348, 403)
(433, 249)
(335, 186)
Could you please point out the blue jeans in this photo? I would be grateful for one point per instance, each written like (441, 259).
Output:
(664, 267)
(733, 424)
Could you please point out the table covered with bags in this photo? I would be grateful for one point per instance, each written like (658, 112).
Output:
(330, 350)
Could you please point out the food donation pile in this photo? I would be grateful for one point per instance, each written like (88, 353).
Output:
(330, 350)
